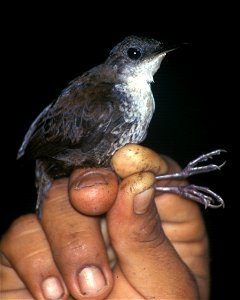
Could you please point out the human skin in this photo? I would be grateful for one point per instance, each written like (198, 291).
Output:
(159, 241)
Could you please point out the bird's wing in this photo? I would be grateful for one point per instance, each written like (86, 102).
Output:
(33, 128)
(78, 119)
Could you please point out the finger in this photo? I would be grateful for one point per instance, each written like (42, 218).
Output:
(122, 289)
(31, 261)
(134, 158)
(181, 218)
(93, 191)
(145, 255)
(76, 243)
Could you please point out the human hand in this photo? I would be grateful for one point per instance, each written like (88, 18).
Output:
(160, 243)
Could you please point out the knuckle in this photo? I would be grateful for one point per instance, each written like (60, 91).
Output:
(76, 246)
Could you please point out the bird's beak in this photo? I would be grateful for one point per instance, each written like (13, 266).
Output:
(165, 48)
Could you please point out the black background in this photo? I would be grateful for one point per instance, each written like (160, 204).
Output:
(195, 106)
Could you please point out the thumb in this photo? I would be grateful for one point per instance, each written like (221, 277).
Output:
(145, 255)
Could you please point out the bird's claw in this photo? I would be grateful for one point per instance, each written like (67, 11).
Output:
(196, 193)
(192, 167)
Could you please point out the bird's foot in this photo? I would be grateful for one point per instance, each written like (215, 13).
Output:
(196, 193)
(193, 168)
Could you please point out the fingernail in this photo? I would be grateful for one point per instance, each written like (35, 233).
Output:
(88, 180)
(91, 280)
(52, 288)
(142, 201)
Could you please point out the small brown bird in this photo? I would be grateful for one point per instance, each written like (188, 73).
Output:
(99, 112)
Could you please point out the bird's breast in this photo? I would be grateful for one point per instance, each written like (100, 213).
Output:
(136, 101)
(137, 106)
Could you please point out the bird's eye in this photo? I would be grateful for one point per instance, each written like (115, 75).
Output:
(134, 53)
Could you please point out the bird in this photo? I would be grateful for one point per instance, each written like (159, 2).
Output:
(99, 112)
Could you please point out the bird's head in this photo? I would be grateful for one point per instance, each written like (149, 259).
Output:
(137, 57)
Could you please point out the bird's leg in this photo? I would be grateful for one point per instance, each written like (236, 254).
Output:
(196, 193)
(43, 184)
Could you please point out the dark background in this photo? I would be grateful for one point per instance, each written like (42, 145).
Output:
(195, 105)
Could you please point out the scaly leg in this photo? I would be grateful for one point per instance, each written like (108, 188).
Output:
(196, 193)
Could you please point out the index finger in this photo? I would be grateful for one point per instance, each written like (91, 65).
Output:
(134, 158)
